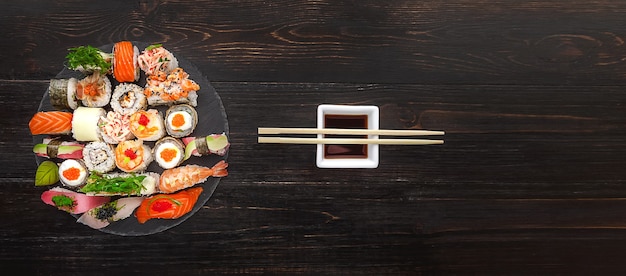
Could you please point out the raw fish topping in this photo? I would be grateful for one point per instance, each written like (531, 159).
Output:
(105, 126)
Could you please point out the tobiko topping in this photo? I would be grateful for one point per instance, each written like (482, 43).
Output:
(72, 173)
(143, 120)
(169, 154)
(64, 202)
(130, 153)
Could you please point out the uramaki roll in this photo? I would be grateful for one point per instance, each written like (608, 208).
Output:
(125, 65)
(85, 123)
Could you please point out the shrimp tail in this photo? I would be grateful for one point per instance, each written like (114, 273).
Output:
(219, 170)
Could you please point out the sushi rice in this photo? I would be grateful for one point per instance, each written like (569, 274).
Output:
(99, 157)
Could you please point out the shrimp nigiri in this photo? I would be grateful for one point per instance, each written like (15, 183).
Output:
(168, 206)
(179, 178)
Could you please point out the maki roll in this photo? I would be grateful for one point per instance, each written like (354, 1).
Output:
(73, 173)
(94, 90)
(169, 152)
(155, 58)
(99, 157)
(125, 67)
(115, 127)
(147, 125)
(88, 60)
(132, 156)
(128, 98)
(63, 93)
(173, 88)
(180, 120)
(85, 123)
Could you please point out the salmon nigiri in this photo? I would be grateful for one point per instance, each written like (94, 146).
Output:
(51, 122)
(179, 178)
(168, 206)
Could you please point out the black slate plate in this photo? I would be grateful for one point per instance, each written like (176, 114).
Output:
(211, 119)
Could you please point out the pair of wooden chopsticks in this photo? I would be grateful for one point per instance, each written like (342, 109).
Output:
(343, 131)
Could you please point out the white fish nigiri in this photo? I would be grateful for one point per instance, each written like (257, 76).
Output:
(103, 215)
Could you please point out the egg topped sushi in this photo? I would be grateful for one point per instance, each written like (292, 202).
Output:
(169, 152)
(73, 173)
(180, 120)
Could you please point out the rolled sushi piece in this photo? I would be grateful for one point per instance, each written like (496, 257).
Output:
(85, 123)
(147, 125)
(115, 128)
(213, 144)
(128, 98)
(155, 58)
(59, 148)
(125, 66)
(88, 59)
(94, 90)
(180, 120)
(63, 94)
(99, 157)
(133, 156)
(122, 184)
(72, 202)
(110, 212)
(73, 173)
(169, 152)
(173, 88)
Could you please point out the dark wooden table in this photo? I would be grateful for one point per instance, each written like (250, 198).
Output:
(531, 179)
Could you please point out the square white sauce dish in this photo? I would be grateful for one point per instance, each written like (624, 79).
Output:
(347, 155)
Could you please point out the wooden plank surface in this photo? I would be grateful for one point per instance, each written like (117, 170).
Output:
(432, 42)
(530, 180)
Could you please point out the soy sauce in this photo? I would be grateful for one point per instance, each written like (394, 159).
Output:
(348, 150)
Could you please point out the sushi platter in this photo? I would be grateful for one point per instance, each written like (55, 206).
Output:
(129, 138)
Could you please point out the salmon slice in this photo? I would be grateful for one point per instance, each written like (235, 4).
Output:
(51, 122)
(168, 206)
(123, 68)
